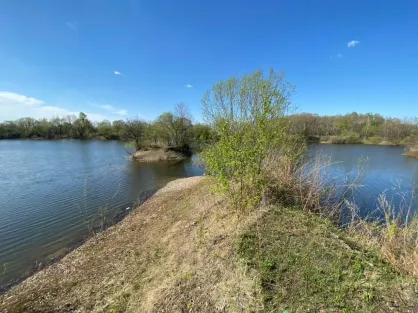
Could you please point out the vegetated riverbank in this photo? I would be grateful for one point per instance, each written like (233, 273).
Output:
(184, 251)
(355, 140)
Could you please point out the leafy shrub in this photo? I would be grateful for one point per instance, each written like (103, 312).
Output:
(248, 117)
(346, 138)
(374, 140)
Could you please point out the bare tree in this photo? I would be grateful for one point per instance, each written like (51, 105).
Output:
(182, 124)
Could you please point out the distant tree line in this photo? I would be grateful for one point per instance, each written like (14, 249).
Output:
(355, 128)
(170, 129)
(176, 129)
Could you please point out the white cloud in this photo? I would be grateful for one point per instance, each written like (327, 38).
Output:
(352, 43)
(14, 106)
(121, 112)
(109, 108)
(112, 109)
(72, 25)
(117, 73)
(189, 86)
(7, 97)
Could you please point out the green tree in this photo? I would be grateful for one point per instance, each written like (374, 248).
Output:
(82, 127)
(44, 129)
(153, 134)
(135, 131)
(247, 114)
(173, 128)
(118, 129)
(58, 126)
(104, 129)
(26, 127)
(164, 125)
(201, 135)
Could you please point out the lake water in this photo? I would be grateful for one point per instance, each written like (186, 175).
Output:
(50, 190)
(375, 170)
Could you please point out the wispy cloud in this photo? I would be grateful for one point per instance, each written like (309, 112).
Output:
(117, 73)
(72, 25)
(112, 109)
(338, 56)
(121, 112)
(189, 86)
(109, 108)
(14, 106)
(352, 43)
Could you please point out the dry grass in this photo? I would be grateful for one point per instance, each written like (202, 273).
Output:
(412, 152)
(155, 155)
(184, 251)
(173, 254)
(310, 187)
(395, 238)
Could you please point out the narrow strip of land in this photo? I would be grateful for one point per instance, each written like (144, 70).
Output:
(182, 251)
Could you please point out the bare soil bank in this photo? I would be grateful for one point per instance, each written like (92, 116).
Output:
(156, 155)
(412, 152)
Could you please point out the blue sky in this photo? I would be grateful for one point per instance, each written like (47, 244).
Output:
(114, 59)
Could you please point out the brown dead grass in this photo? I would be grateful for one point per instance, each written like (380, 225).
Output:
(155, 155)
(412, 152)
(395, 241)
(184, 251)
(173, 254)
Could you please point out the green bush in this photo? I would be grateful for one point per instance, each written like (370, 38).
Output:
(352, 137)
(373, 140)
(410, 141)
(248, 117)
(337, 140)
(346, 138)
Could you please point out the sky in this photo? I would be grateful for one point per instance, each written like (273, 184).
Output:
(114, 59)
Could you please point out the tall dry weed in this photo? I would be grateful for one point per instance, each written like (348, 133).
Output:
(395, 236)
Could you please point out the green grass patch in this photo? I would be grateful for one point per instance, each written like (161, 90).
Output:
(306, 264)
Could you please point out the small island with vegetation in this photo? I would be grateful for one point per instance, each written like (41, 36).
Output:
(412, 151)
(169, 138)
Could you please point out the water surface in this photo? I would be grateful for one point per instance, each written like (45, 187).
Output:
(376, 170)
(51, 191)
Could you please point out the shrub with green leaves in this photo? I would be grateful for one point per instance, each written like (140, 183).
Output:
(248, 117)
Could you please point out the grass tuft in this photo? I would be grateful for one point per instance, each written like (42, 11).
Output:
(307, 264)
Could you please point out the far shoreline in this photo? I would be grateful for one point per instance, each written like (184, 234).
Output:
(341, 140)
